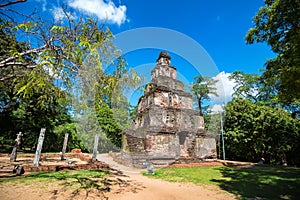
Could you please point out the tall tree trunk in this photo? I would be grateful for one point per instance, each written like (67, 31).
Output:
(200, 107)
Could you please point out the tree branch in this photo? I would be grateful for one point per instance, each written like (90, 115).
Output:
(26, 65)
(9, 59)
(7, 77)
(12, 2)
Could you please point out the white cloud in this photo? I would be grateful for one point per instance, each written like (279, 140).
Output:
(104, 10)
(224, 88)
(58, 14)
(217, 108)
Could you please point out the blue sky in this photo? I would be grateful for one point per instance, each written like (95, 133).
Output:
(218, 27)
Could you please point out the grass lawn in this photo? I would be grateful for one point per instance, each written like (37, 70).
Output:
(80, 179)
(246, 182)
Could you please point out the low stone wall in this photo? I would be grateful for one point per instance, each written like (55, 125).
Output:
(52, 168)
(55, 168)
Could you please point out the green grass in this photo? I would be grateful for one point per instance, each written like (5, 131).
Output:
(199, 175)
(247, 182)
(62, 175)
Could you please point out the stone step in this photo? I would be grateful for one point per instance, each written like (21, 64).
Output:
(6, 171)
(160, 165)
(161, 162)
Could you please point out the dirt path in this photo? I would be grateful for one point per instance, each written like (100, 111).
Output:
(152, 189)
(131, 186)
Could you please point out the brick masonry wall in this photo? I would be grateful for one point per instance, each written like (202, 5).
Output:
(53, 168)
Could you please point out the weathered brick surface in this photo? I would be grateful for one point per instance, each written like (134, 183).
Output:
(166, 127)
(53, 168)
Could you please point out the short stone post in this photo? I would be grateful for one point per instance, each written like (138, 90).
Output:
(94, 158)
(39, 147)
(64, 146)
(13, 155)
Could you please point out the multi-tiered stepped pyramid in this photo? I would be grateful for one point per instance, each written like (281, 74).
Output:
(166, 128)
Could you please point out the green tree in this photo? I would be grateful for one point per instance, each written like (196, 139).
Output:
(247, 86)
(277, 23)
(253, 87)
(52, 53)
(109, 125)
(101, 106)
(26, 116)
(57, 60)
(44, 105)
(201, 88)
(254, 130)
(74, 140)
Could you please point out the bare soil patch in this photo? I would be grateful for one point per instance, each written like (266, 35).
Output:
(115, 184)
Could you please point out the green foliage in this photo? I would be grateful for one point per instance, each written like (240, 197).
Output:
(100, 103)
(277, 23)
(24, 113)
(201, 89)
(26, 116)
(57, 53)
(212, 122)
(213, 125)
(109, 125)
(255, 88)
(74, 140)
(30, 99)
(246, 85)
(57, 72)
(255, 131)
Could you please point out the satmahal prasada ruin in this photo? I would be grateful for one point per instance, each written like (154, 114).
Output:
(166, 128)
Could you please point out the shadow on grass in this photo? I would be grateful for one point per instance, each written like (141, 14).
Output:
(67, 174)
(256, 182)
(95, 181)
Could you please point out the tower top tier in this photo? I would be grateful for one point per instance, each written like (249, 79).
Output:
(164, 59)
(163, 68)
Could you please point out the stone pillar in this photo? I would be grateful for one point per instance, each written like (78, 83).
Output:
(95, 150)
(13, 156)
(64, 146)
(39, 147)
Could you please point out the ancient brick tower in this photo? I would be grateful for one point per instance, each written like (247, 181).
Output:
(166, 127)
